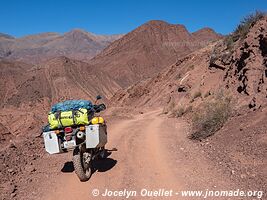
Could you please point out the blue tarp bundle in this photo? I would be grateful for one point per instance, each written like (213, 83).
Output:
(72, 105)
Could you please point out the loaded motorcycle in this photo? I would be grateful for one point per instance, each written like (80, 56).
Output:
(86, 135)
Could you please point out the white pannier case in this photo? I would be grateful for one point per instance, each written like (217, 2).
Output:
(95, 137)
(51, 142)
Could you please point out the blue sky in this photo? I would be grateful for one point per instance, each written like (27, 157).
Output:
(19, 17)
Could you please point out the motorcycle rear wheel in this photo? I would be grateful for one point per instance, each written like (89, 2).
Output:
(83, 172)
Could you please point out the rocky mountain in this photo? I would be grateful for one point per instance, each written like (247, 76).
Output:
(76, 44)
(237, 67)
(3, 35)
(206, 35)
(27, 91)
(148, 49)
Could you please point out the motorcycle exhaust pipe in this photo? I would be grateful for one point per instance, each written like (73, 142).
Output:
(80, 135)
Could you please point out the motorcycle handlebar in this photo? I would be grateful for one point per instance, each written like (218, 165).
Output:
(99, 107)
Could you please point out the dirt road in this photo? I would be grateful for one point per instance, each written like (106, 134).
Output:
(153, 153)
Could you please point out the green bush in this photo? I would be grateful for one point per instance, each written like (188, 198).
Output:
(210, 118)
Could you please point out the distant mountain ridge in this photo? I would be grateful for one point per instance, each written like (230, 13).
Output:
(76, 44)
(3, 35)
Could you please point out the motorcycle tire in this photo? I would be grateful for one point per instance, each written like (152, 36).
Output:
(82, 173)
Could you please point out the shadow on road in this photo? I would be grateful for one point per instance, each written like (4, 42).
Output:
(104, 164)
(98, 165)
(68, 167)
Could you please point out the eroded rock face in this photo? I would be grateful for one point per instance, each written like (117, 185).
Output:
(245, 65)
(182, 88)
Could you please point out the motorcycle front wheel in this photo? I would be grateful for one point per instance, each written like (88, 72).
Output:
(82, 163)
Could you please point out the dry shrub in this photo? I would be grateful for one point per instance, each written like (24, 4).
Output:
(195, 96)
(208, 93)
(181, 110)
(169, 107)
(211, 117)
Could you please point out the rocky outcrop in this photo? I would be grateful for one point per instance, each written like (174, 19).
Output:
(245, 64)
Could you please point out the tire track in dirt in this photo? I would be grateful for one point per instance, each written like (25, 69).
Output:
(70, 186)
(147, 157)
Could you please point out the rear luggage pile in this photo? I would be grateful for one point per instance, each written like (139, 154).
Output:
(70, 113)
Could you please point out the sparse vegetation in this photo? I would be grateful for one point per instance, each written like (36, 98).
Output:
(211, 117)
(178, 76)
(195, 95)
(229, 41)
(208, 93)
(213, 57)
(191, 67)
(169, 107)
(243, 28)
(181, 110)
